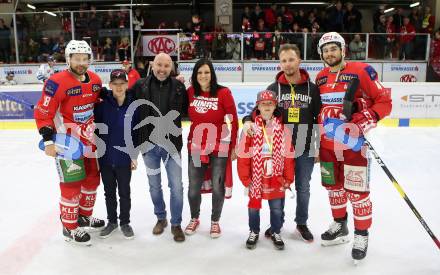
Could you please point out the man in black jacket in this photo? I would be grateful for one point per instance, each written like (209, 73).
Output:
(300, 103)
(160, 138)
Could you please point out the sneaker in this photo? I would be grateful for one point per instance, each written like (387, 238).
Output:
(108, 230)
(77, 236)
(192, 226)
(277, 241)
(360, 245)
(305, 233)
(268, 233)
(127, 231)
(91, 224)
(177, 232)
(336, 234)
(252, 240)
(160, 226)
(215, 231)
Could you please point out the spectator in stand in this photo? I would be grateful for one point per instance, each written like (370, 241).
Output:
(261, 46)
(197, 29)
(9, 79)
(67, 24)
(352, 19)
(296, 37)
(124, 49)
(109, 21)
(122, 20)
(398, 18)
(287, 18)
(132, 74)
(270, 16)
(357, 48)
(176, 25)
(59, 48)
(391, 37)
(5, 42)
(81, 24)
(233, 48)
(428, 21)
(45, 50)
(321, 20)
(279, 25)
(38, 26)
(22, 25)
(188, 27)
(277, 41)
(108, 51)
(407, 35)
(376, 17)
(434, 59)
(33, 49)
(140, 68)
(311, 19)
(301, 19)
(256, 15)
(416, 19)
(336, 18)
(380, 39)
(94, 23)
(246, 13)
(138, 24)
(219, 46)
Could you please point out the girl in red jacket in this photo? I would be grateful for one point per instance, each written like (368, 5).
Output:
(211, 143)
(266, 167)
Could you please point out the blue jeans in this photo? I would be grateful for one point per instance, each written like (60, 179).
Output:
(276, 216)
(152, 159)
(303, 173)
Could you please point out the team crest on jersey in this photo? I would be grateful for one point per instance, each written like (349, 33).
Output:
(203, 105)
(371, 72)
(74, 91)
(322, 80)
(346, 77)
(96, 88)
(50, 88)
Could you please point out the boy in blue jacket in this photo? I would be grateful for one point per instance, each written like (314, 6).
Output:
(115, 165)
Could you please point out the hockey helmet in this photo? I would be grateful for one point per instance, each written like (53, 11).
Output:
(331, 37)
(78, 46)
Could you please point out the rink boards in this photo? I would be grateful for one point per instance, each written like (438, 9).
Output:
(414, 104)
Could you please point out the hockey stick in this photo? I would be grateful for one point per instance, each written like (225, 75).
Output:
(347, 110)
(19, 100)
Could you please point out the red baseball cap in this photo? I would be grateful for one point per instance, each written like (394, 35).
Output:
(267, 95)
(125, 62)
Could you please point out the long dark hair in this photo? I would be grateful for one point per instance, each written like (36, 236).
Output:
(214, 86)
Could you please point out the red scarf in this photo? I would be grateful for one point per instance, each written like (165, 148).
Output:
(275, 128)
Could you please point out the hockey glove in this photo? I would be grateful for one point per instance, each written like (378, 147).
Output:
(365, 120)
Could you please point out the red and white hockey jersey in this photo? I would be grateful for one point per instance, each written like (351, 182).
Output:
(66, 104)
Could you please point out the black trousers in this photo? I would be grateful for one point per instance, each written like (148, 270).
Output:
(117, 178)
(196, 178)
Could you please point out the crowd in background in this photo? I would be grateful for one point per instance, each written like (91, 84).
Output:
(265, 29)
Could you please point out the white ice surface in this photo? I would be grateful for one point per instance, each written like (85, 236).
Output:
(31, 241)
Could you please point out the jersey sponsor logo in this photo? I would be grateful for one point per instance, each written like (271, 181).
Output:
(356, 178)
(83, 107)
(333, 98)
(371, 72)
(82, 116)
(96, 88)
(298, 97)
(322, 80)
(408, 78)
(203, 105)
(346, 77)
(74, 91)
(50, 87)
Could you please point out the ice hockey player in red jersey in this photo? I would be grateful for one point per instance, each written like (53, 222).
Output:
(66, 106)
(345, 172)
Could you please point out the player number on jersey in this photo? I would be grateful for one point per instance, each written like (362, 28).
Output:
(46, 101)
